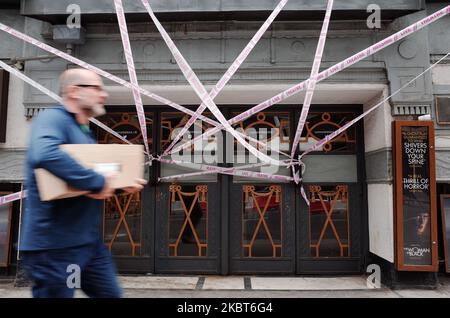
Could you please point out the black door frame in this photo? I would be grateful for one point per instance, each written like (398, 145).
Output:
(164, 263)
(358, 219)
(145, 262)
(148, 261)
(193, 265)
(262, 265)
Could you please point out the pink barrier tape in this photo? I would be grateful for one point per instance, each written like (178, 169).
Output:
(262, 144)
(20, 195)
(112, 132)
(59, 100)
(333, 135)
(20, 224)
(312, 84)
(327, 73)
(100, 72)
(31, 82)
(201, 92)
(107, 75)
(213, 169)
(310, 93)
(314, 72)
(303, 194)
(276, 99)
(12, 197)
(54, 96)
(132, 71)
(230, 72)
(191, 174)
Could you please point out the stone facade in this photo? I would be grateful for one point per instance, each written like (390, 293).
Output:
(283, 57)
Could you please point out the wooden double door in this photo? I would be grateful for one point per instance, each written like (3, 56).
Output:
(221, 224)
(247, 228)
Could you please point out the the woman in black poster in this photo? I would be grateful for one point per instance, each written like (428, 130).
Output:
(417, 235)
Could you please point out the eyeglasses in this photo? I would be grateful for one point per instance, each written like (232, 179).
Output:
(97, 87)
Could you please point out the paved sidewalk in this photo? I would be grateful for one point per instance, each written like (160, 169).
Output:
(250, 287)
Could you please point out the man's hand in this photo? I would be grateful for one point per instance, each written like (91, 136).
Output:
(138, 186)
(106, 192)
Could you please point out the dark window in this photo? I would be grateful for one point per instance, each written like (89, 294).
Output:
(122, 228)
(329, 221)
(4, 85)
(188, 220)
(319, 125)
(443, 110)
(262, 221)
(5, 231)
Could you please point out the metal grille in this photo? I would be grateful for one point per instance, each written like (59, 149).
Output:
(328, 220)
(261, 221)
(188, 230)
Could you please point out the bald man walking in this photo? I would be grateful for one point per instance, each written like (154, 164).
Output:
(61, 238)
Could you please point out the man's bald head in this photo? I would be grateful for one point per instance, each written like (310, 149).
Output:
(77, 76)
(83, 92)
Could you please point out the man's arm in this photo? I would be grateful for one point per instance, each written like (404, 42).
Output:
(47, 136)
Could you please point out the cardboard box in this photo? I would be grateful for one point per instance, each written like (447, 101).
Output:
(126, 160)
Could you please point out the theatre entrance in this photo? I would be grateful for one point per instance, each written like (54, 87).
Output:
(226, 224)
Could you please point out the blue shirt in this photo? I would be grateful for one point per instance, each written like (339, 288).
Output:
(65, 222)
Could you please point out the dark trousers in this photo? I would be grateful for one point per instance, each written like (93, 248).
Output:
(54, 273)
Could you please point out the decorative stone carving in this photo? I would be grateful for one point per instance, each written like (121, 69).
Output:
(407, 49)
(148, 49)
(298, 47)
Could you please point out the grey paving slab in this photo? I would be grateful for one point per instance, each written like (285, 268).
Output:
(260, 294)
(12, 292)
(420, 293)
(262, 287)
(223, 283)
(308, 283)
(158, 282)
(24, 292)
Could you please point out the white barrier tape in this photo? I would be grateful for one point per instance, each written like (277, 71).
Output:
(192, 174)
(213, 169)
(331, 71)
(106, 75)
(207, 169)
(230, 72)
(327, 73)
(312, 84)
(333, 135)
(20, 224)
(59, 100)
(303, 193)
(54, 96)
(12, 197)
(31, 82)
(132, 71)
(112, 132)
(262, 144)
(200, 90)
(22, 194)
(299, 180)
(99, 72)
